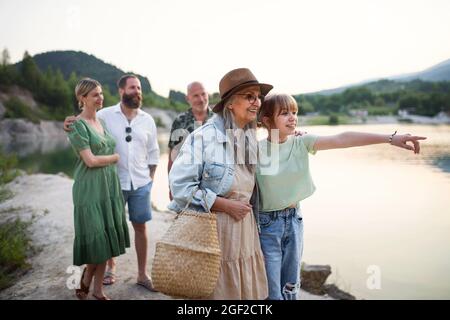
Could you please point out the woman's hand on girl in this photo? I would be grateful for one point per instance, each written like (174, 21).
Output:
(238, 209)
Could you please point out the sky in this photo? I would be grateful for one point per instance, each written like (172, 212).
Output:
(298, 46)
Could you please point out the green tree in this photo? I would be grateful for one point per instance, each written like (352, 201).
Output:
(410, 102)
(446, 106)
(177, 96)
(71, 84)
(214, 98)
(55, 94)
(379, 102)
(15, 108)
(109, 98)
(332, 104)
(333, 119)
(31, 75)
(8, 75)
(5, 57)
(360, 95)
(432, 104)
(304, 106)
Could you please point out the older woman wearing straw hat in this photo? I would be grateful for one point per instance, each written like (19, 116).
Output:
(215, 170)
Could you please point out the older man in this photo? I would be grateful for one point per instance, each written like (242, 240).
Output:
(198, 113)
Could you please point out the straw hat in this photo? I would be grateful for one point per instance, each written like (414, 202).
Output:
(236, 80)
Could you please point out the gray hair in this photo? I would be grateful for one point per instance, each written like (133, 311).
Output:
(250, 142)
(192, 84)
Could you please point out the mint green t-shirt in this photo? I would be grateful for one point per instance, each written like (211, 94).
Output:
(283, 172)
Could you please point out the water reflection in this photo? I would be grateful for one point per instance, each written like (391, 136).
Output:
(442, 162)
(52, 155)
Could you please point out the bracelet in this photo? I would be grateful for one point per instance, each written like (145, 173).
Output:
(392, 136)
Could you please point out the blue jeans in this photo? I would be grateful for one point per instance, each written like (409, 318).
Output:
(282, 245)
(139, 209)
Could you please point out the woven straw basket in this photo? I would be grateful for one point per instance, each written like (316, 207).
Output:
(187, 258)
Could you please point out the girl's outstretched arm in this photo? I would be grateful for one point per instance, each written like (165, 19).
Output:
(356, 139)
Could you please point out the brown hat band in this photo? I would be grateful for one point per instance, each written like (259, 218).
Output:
(240, 84)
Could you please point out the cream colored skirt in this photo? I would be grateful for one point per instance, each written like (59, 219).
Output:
(242, 272)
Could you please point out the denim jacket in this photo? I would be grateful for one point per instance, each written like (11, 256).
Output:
(204, 169)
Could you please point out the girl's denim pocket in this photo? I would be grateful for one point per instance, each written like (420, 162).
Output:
(266, 219)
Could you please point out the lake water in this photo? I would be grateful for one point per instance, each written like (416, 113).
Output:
(380, 216)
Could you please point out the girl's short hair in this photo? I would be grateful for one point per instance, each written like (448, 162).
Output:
(274, 105)
(84, 86)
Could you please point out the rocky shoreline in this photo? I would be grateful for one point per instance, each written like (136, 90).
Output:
(23, 129)
(46, 199)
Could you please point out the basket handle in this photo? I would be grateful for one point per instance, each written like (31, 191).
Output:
(192, 197)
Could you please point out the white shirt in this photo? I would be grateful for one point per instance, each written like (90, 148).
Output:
(140, 152)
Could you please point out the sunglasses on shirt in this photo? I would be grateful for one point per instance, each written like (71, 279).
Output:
(128, 138)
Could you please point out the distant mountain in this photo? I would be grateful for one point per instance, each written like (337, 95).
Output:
(85, 65)
(439, 72)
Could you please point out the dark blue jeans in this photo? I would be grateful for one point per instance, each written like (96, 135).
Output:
(282, 245)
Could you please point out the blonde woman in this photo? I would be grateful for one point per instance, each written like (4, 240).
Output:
(101, 230)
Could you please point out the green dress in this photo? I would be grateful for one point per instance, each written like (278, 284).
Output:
(101, 229)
